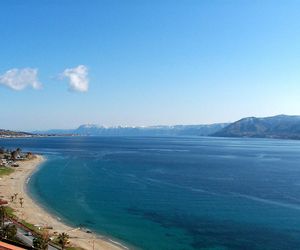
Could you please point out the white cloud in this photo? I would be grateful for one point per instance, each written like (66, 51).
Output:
(78, 78)
(19, 79)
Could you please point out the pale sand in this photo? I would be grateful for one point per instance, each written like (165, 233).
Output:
(33, 213)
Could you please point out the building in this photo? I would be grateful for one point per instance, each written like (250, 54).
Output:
(3, 162)
(6, 246)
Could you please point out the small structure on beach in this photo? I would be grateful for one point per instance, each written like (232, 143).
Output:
(15, 165)
(3, 202)
(3, 163)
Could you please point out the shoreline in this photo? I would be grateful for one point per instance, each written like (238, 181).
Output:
(34, 213)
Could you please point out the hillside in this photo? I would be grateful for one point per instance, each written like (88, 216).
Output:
(281, 126)
(9, 133)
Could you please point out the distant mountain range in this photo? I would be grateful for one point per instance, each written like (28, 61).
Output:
(280, 126)
(177, 130)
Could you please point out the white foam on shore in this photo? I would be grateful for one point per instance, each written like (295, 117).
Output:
(117, 243)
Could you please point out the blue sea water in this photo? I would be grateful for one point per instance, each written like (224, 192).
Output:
(173, 193)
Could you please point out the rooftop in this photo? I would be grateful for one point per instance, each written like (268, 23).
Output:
(6, 246)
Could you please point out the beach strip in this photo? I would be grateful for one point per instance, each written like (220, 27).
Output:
(33, 213)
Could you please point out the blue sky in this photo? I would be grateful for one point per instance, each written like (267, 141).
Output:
(65, 62)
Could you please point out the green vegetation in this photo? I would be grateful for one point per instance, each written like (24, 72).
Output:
(8, 232)
(6, 171)
(63, 240)
(41, 241)
(9, 212)
(31, 227)
(2, 216)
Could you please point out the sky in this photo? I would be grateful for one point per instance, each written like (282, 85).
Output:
(64, 63)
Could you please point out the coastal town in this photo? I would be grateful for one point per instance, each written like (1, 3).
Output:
(4, 133)
(10, 158)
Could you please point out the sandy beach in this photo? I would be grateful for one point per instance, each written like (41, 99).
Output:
(33, 213)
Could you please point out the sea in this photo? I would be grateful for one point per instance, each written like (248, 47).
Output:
(172, 193)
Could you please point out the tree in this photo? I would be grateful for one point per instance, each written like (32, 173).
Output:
(16, 195)
(2, 216)
(29, 155)
(42, 241)
(63, 240)
(14, 155)
(21, 201)
(9, 231)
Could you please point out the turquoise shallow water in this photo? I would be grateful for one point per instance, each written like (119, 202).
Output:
(173, 193)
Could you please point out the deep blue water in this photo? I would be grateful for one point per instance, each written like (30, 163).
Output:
(174, 193)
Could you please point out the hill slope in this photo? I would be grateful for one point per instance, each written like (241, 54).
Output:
(9, 133)
(280, 126)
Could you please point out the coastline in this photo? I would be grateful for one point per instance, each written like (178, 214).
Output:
(35, 214)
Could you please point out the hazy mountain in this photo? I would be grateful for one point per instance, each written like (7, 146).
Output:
(54, 132)
(280, 126)
(177, 130)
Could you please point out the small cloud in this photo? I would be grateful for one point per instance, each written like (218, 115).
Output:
(78, 78)
(19, 79)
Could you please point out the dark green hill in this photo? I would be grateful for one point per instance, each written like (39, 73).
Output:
(280, 126)
(9, 133)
